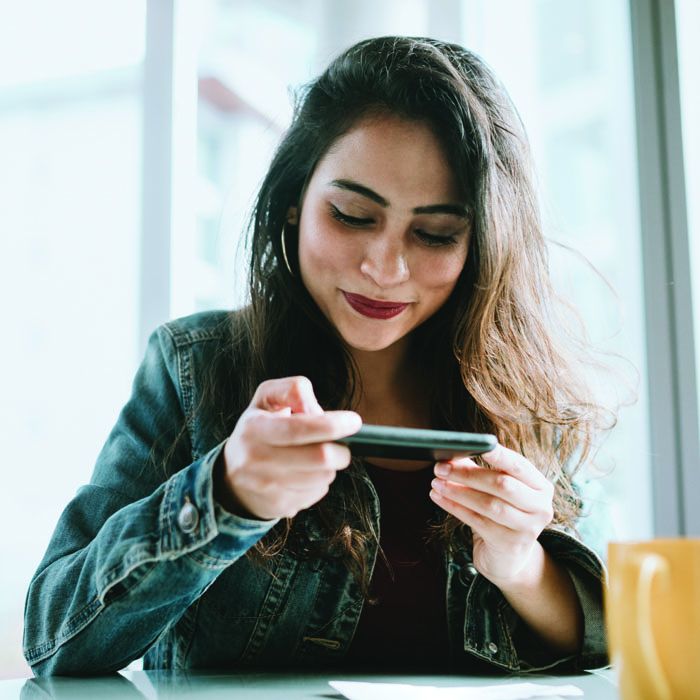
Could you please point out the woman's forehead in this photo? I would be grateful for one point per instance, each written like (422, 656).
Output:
(391, 156)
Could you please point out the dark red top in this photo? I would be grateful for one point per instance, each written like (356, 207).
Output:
(407, 626)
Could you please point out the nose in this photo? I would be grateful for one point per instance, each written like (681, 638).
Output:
(385, 262)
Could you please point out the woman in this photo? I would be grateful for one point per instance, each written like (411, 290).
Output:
(398, 274)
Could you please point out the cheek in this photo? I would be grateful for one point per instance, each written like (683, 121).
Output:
(442, 272)
(321, 251)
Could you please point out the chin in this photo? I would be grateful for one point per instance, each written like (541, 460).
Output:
(370, 342)
(367, 335)
(369, 347)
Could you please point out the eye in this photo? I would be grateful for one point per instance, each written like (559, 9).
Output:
(432, 239)
(348, 220)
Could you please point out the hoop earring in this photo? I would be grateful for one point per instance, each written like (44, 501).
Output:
(284, 250)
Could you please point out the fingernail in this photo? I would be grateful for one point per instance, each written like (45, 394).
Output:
(442, 469)
(437, 485)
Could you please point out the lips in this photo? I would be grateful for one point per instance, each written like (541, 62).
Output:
(374, 308)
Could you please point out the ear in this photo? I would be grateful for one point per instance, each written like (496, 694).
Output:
(293, 216)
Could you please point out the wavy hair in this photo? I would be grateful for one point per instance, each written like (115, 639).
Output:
(499, 361)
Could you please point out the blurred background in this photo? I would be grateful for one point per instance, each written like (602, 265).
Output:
(133, 136)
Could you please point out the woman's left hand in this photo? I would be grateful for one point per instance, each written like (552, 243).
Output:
(506, 507)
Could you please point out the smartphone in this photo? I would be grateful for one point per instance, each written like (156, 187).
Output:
(395, 442)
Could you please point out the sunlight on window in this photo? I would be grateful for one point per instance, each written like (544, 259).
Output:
(70, 175)
(45, 40)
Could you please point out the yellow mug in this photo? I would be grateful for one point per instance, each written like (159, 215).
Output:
(652, 613)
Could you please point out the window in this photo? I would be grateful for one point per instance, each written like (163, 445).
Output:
(70, 138)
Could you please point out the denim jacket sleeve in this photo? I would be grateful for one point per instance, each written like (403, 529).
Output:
(495, 633)
(135, 547)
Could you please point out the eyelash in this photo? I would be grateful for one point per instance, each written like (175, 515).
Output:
(428, 238)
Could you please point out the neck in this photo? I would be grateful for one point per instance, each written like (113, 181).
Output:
(389, 379)
(381, 370)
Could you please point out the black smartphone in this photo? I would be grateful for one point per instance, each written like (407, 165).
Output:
(395, 442)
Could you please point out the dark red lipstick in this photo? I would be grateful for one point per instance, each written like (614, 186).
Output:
(374, 308)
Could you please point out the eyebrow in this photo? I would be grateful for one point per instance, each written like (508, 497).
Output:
(352, 186)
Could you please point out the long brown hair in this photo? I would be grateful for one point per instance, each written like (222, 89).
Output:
(498, 365)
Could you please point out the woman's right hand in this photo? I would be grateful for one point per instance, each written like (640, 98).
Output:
(281, 456)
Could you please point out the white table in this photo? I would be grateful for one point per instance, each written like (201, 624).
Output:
(599, 685)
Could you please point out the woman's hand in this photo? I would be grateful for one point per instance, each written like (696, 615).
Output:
(506, 507)
(280, 457)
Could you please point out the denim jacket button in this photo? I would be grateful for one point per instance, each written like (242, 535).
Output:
(188, 518)
(467, 574)
(493, 648)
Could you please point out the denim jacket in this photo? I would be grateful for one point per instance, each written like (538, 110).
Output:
(142, 563)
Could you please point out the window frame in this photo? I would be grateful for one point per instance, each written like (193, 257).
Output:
(671, 370)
